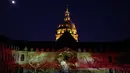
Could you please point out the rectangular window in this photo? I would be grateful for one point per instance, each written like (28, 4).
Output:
(22, 57)
(110, 70)
(110, 59)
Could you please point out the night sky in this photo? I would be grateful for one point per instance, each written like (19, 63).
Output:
(96, 20)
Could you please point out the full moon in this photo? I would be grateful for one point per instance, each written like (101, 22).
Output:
(13, 2)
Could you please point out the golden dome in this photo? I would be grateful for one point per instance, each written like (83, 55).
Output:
(67, 25)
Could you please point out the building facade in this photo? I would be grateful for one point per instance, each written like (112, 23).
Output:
(64, 55)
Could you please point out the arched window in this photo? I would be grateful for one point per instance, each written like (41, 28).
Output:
(62, 31)
(58, 31)
(22, 57)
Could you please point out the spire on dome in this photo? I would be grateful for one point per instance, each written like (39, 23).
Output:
(67, 8)
(67, 14)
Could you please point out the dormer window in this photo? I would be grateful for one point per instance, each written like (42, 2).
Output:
(22, 57)
(62, 31)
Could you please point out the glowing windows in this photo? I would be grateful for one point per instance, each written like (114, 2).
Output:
(67, 25)
(62, 31)
(74, 31)
(58, 31)
(70, 31)
(59, 26)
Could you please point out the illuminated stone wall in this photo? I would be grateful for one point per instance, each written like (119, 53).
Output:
(94, 62)
(39, 60)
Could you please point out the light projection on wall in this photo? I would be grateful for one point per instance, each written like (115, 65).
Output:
(84, 59)
(65, 59)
